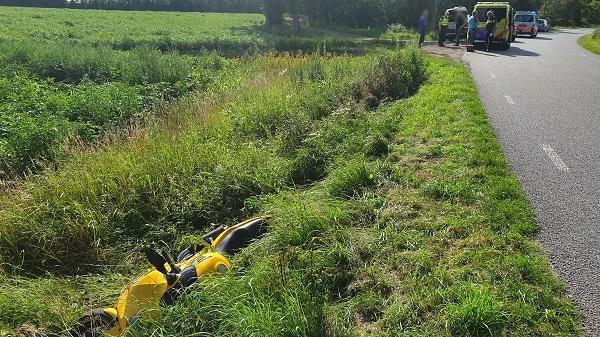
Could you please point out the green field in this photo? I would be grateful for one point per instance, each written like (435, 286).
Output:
(125, 30)
(393, 211)
(66, 79)
(591, 42)
(69, 76)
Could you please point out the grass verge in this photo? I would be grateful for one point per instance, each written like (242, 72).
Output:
(391, 216)
(591, 42)
(431, 238)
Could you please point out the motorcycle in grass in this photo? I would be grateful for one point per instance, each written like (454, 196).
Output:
(169, 278)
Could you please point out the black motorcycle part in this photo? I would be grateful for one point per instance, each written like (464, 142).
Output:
(213, 235)
(94, 324)
(155, 259)
(188, 252)
(187, 278)
(241, 237)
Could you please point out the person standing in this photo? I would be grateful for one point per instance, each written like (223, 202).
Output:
(490, 28)
(459, 19)
(423, 27)
(472, 24)
(444, 21)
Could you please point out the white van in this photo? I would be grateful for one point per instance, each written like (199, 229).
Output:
(526, 23)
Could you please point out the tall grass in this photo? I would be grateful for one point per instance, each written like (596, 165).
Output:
(370, 250)
(52, 92)
(364, 243)
(167, 181)
(69, 62)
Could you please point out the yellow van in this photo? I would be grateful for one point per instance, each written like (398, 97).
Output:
(504, 14)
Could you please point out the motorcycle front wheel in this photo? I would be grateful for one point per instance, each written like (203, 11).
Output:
(95, 323)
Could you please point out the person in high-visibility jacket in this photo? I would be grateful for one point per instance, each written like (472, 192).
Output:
(444, 21)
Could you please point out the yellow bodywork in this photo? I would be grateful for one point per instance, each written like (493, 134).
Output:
(143, 297)
(504, 24)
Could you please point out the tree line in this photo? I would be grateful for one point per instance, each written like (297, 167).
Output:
(369, 13)
(225, 6)
(354, 13)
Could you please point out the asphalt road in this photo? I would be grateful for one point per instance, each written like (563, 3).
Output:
(543, 99)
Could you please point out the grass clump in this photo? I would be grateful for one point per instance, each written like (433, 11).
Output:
(393, 79)
(351, 179)
(476, 313)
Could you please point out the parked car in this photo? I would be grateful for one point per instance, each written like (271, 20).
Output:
(543, 25)
(526, 23)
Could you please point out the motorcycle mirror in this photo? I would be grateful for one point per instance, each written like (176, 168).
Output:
(155, 259)
(169, 259)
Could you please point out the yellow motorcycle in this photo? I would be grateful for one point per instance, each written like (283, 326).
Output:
(168, 279)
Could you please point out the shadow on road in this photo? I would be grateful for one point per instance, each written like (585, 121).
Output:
(556, 32)
(512, 52)
(517, 52)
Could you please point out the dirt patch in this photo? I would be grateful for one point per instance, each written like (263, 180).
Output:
(449, 51)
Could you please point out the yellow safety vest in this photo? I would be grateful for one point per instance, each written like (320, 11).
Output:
(444, 21)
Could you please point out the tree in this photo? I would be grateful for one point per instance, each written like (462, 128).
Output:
(295, 8)
(274, 10)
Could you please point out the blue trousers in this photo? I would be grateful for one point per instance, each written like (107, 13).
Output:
(471, 36)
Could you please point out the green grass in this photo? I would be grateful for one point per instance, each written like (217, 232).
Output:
(225, 33)
(374, 250)
(394, 212)
(74, 76)
(50, 93)
(591, 42)
(71, 76)
(128, 29)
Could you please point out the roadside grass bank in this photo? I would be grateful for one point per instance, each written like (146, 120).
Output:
(205, 163)
(591, 42)
(394, 212)
(431, 235)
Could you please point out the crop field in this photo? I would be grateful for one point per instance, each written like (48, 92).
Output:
(69, 76)
(126, 30)
(392, 209)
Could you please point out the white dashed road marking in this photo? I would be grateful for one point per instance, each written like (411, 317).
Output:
(509, 100)
(493, 75)
(559, 163)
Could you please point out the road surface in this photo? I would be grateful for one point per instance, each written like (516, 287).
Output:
(543, 99)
